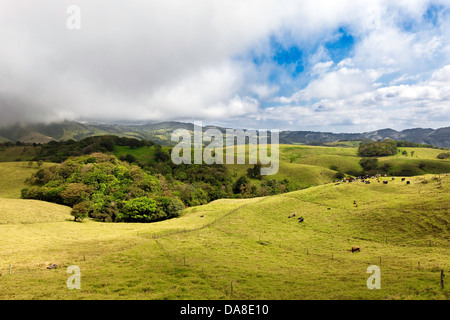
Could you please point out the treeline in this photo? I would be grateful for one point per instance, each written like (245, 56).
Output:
(388, 147)
(59, 151)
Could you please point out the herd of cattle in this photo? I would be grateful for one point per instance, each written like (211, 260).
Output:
(366, 180)
(363, 179)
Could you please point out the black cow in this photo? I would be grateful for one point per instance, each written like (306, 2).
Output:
(385, 182)
(408, 182)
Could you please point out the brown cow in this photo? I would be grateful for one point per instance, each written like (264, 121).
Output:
(356, 249)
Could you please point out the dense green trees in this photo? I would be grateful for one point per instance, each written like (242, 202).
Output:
(378, 149)
(102, 187)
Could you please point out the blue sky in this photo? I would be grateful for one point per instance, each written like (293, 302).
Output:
(340, 66)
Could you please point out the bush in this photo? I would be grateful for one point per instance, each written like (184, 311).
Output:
(444, 155)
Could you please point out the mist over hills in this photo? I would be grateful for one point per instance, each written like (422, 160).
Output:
(161, 132)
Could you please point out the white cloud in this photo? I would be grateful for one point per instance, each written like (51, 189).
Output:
(161, 60)
(337, 84)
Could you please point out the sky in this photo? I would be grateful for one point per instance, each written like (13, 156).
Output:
(322, 65)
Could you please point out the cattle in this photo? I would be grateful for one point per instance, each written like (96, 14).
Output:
(301, 219)
(356, 248)
(393, 178)
(293, 215)
(403, 179)
(385, 182)
(408, 182)
(52, 266)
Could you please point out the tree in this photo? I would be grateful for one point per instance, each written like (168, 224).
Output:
(75, 193)
(339, 175)
(139, 210)
(81, 210)
(128, 158)
(240, 185)
(368, 164)
(255, 172)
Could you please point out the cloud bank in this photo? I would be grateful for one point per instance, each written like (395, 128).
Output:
(305, 65)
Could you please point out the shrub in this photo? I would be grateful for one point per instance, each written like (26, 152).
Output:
(444, 155)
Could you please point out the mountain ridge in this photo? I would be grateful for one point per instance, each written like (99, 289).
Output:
(160, 133)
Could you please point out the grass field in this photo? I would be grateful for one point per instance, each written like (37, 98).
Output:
(13, 176)
(403, 229)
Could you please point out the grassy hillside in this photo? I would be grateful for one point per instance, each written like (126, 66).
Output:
(13, 176)
(404, 229)
(31, 211)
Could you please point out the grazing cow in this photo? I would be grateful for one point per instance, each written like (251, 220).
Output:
(385, 182)
(289, 217)
(356, 248)
(301, 219)
(393, 178)
(408, 182)
(293, 215)
(328, 208)
(403, 179)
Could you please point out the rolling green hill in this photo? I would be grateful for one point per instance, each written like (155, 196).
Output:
(403, 229)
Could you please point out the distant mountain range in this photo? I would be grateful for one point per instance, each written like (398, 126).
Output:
(161, 132)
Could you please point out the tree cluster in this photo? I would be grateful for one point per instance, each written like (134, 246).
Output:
(378, 148)
(104, 188)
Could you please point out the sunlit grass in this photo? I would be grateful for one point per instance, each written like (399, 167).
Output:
(251, 243)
